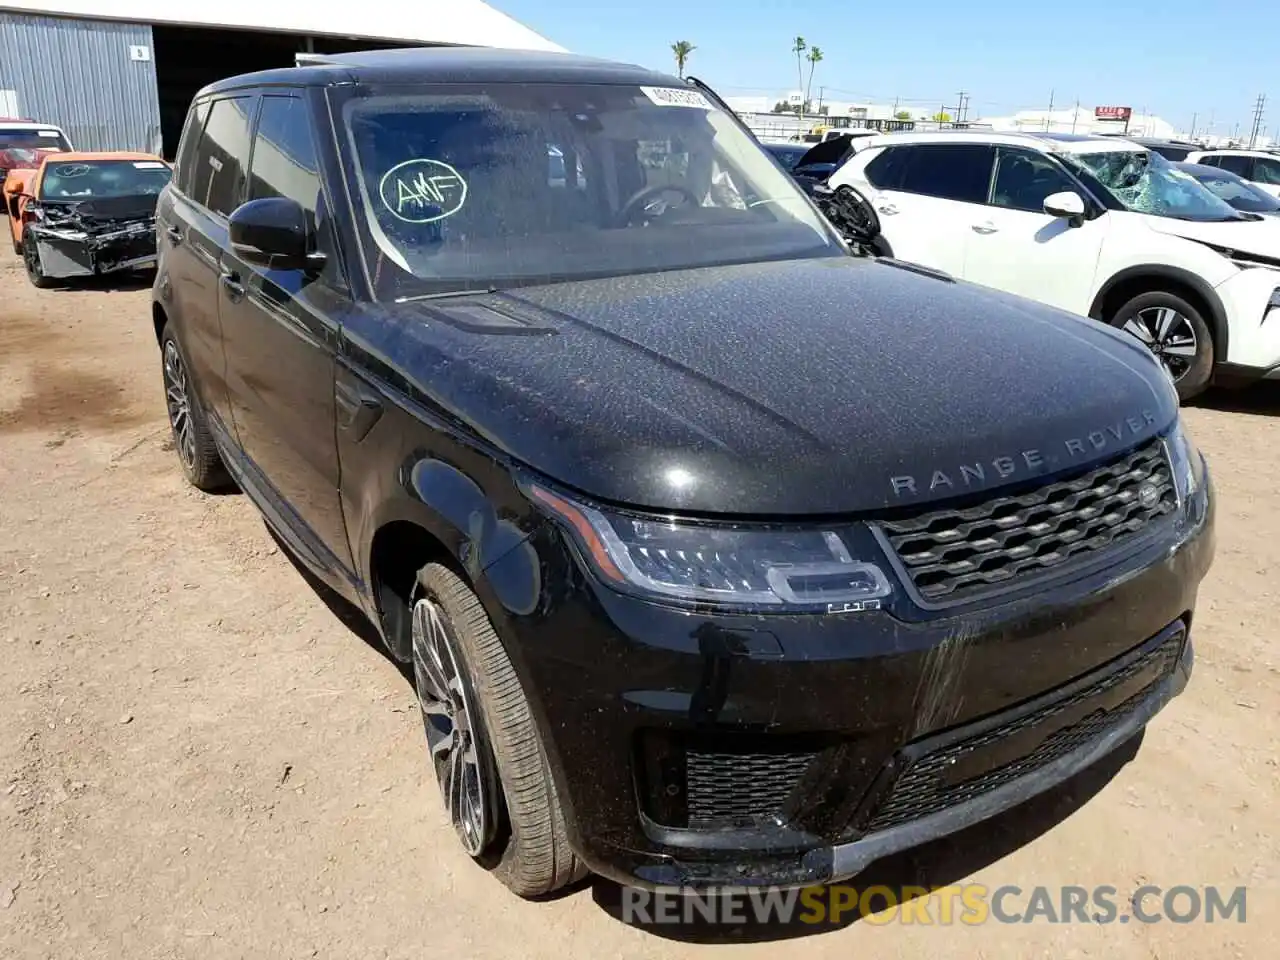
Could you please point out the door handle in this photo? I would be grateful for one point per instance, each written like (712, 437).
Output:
(888, 209)
(231, 280)
(173, 233)
(985, 227)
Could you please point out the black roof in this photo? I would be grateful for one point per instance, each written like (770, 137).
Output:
(450, 65)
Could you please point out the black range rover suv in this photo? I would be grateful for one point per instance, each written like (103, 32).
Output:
(720, 555)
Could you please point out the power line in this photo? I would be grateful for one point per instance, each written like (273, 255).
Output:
(1257, 120)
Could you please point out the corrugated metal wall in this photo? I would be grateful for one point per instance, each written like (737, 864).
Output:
(80, 75)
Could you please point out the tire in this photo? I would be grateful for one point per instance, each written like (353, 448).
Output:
(31, 260)
(1176, 333)
(201, 463)
(524, 840)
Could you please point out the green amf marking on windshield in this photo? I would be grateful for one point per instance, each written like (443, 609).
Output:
(422, 191)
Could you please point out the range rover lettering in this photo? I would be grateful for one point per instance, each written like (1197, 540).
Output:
(719, 553)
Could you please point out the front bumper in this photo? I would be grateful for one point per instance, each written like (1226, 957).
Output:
(65, 253)
(1251, 301)
(692, 750)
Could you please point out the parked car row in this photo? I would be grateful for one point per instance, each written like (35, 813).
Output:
(1186, 260)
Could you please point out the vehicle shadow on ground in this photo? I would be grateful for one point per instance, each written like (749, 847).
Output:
(942, 863)
(351, 616)
(105, 283)
(1259, 398)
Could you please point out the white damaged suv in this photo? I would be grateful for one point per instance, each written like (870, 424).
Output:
(1098, 226)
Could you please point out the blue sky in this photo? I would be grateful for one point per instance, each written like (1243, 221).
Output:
(1173, 58)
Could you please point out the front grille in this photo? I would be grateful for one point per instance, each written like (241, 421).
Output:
(952, 554)
(923, 787)
(726, 788)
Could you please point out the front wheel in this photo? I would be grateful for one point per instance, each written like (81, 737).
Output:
(35, 273)
(1175, 332)
(484, 747)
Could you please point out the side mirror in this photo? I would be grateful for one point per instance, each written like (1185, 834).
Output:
(1067, 204)
(14, 186)
(272, 233)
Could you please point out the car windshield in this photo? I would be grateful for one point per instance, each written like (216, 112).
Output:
(1241, 194)
(97, 179)
(1146, 182)
(467, 186)
(33, 140)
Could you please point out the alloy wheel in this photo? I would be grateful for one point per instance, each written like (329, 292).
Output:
(1169, 335)
(453, 737)
(179, 402)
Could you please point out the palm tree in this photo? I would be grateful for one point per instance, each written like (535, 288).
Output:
(798, 48)
(681, 49)
(814, 58)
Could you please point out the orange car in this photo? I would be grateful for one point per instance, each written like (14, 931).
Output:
(81, 214)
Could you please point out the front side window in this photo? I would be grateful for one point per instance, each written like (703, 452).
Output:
(466, 186)
(1024, 179)
(284, 155)
(949, 171)
(1146, 182)
(217, 167)
(1266, 170)
(103, 179)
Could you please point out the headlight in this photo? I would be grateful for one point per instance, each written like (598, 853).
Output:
(723, 566)
(1188, 466)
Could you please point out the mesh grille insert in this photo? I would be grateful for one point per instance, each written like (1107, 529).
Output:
(734, 787)
(953, 553)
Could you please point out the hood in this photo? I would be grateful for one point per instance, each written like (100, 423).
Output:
(825, 386)
(1260, 237)
(831, 152)
(139, 207)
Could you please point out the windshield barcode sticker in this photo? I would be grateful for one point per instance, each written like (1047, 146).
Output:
(46, 133)
(675, 97)
(148, 164)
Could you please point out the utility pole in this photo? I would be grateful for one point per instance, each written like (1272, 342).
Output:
(820, 92)
(1257, 119)
(960, 105)
(1075, 115)
(1192, 134)
(1049, 114)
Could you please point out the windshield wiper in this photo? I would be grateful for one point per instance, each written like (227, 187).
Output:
(446, 294)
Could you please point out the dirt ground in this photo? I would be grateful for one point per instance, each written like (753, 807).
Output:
(198, 758)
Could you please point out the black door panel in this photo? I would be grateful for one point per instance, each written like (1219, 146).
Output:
(279, 341)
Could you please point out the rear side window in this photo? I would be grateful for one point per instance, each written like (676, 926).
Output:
(187, 145)
(1266, 171)
(1240, 166)
(949, 171)
(885, 170)
(1208, 161)
(217, 171)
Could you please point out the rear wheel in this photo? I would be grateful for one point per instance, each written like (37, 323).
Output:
(197, 452)
(1175, 332)
(484, 747)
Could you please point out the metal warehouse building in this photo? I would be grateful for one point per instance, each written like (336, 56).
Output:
(120, 74)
